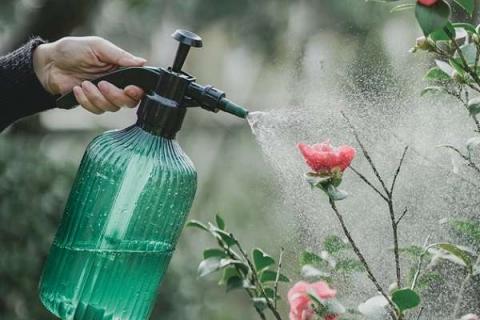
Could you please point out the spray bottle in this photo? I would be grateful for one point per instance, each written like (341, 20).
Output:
(130, 199)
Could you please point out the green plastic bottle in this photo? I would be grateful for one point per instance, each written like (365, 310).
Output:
(126, 210)
(129, 201)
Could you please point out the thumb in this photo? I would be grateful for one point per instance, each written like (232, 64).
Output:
(109, 53)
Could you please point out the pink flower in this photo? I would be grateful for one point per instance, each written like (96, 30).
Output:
(427, 3)
(300, 303)
(324, 158)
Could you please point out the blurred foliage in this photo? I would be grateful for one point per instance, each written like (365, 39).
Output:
(32, 195)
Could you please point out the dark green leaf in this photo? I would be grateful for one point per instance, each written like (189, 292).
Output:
(228, 272)
(474, 106)
(270, 293)
(334, 244)
(260, 303)
(234, 283)
(197, 224)
(308, 257)
(467, 5)
(457, 65)
(261, 260)
(220, 222)
(405, 299)
(225, 236)
(270, 276)
(336, 194)
(441, 34)
(432, 18)
(208, 253)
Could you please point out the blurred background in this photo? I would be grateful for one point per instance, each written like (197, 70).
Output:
(265, 54)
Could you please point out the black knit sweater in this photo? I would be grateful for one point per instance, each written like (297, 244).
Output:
(21, 93)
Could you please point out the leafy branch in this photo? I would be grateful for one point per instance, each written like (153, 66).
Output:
(254, 274)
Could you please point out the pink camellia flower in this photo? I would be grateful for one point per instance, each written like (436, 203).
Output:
(300, 302)
(428, 3)
(324, 158)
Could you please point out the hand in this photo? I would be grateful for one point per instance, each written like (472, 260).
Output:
(68, 64)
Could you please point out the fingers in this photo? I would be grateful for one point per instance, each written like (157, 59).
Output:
(96, 97)
(127, 97)
(109, 53)
(84, 102)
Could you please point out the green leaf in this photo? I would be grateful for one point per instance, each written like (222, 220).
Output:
(428, 279)
(220, 222)
(308, 257)
(271, 276)
(469, 52)
(405, 299)
(432, 89)
(208, 253)
(467, 5)
(470, 229)
(436, 74)
(474, 106)
(208, 266)
(224, 236)
(336, 194)
(270, 293)
(457, 66)
(432, 18)
(467, 26)
(441, 34)
(456, 251)
(445, 67)
(261, 259)
(197, 224)
(334, 244)
(403, 7)
(260, 303)
(213, 264)
(349, 266)
(233, 283)
(413, 251)
(227, 274)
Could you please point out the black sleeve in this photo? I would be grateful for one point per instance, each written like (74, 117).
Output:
(21, 93)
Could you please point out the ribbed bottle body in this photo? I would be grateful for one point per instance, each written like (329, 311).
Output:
(126, 209)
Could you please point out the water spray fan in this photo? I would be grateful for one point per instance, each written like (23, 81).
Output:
(130, 199)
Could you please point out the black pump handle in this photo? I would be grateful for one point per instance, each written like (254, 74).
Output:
(143, 77)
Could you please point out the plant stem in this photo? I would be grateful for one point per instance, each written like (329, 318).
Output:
(234, 256)
(279, 268)
(362, 259)
(471, 164)
(461, 292)
(256, 281)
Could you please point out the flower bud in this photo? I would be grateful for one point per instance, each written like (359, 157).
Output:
(428, 3)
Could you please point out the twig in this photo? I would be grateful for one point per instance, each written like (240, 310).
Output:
(398, 169)
(420, 313)
(362, 258)
(461, 292)
(402, 215)
(256, 280)
(471, 164)
(277, 278)
(365, 153)
(368, 183)
(419, 263)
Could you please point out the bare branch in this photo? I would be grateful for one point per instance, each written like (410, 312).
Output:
(401, 216)
(398, 170)
(361, 176)
(365, 153)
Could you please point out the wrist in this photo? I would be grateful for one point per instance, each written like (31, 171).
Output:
(41, 64)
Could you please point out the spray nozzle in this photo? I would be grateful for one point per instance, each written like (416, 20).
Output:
(172, 84)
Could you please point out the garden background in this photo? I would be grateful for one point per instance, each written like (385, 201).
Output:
(265, 54)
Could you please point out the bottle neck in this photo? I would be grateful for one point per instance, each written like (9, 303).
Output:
(160, 116)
